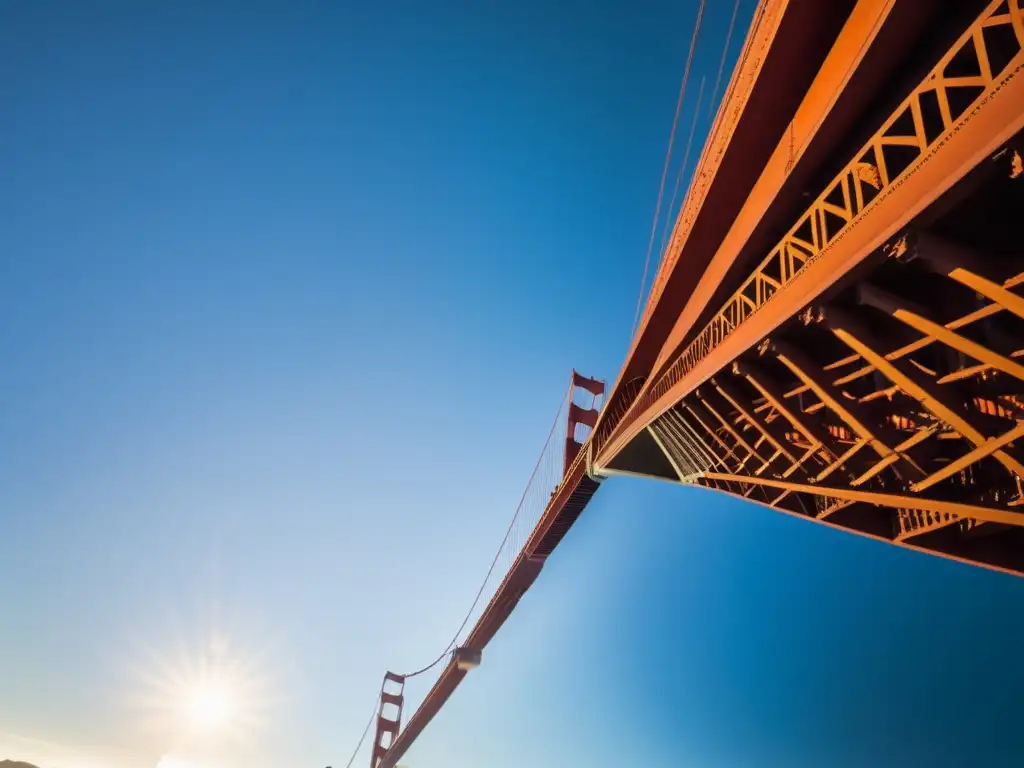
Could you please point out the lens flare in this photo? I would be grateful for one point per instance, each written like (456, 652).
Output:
(205, 698)
(208, 708)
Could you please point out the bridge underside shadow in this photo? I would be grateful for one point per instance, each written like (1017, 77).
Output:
(892, 406)
(868, 372)
(836, 329)
(643, 457)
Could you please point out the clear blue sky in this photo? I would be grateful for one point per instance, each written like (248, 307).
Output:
(288, 295)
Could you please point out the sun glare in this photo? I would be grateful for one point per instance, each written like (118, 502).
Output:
(207, 696)
(208, 709)
(204, 697)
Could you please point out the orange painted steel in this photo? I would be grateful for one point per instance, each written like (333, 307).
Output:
(562, 511)
(854, 40)
(579, 415)
(911, 519)
(765, 27)
(387, 726)
(768, 448)
(946, 449)
(843, 61)
(572, 490)
(992, 515)
(863, 207)
(786, 42)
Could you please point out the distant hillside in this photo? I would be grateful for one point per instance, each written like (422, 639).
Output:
(16, 764)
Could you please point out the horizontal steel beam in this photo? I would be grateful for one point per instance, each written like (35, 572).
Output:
(805, 128)
(819, 250)
(844, 60)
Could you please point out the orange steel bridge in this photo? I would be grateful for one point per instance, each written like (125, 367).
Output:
(836, 330)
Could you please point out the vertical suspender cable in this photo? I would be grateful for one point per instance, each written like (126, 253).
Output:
(682, 170)
(636, 314)
(725, 54)
(497, 555)
(539, 466)
(664, 170)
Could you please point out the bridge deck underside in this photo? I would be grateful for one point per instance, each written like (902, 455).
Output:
(869, 372)
(893, 407)
(962, 111)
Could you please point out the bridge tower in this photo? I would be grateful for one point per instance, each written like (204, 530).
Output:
(580, 416)
(389, 716)
(836, 328)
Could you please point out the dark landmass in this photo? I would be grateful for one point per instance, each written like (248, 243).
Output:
(16, 764)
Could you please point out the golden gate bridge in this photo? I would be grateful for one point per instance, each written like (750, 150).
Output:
(836, 327)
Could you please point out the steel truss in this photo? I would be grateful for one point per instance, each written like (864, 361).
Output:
(879, 411)
(890, 403)
(963, 84)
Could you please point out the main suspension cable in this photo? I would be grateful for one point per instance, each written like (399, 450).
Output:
(497, 555)
(366, 730)
(479, 593)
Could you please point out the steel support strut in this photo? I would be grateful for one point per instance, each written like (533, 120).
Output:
(869, 372)
(929, 143)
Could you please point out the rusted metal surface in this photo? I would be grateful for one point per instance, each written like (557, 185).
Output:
(968, 106)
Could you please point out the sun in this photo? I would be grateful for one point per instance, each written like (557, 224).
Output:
(208, 708)
(204, 692)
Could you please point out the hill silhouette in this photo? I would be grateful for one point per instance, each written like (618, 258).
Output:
(16, 764)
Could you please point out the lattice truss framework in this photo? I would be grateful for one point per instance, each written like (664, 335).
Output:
(989, 52)
(896, 409)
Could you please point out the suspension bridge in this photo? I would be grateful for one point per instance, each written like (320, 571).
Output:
(834, 329)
